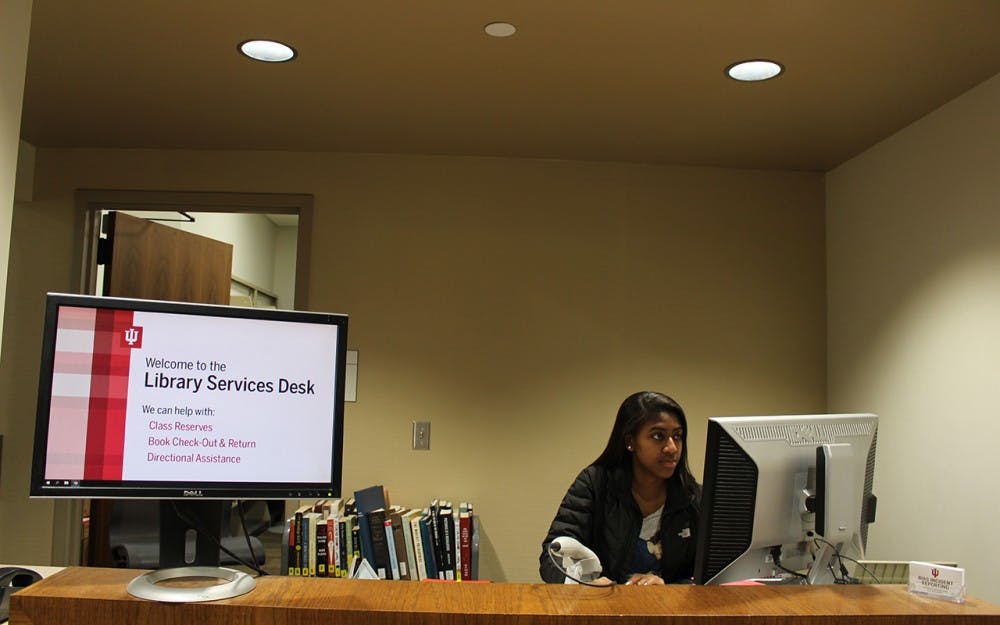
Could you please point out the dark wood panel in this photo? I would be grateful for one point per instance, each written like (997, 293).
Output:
(154, 261)
(75, 596)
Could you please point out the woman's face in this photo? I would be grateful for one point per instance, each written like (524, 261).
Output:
(657, 446)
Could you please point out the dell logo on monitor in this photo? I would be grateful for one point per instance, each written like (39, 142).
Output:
(809, 434)
(193, 493)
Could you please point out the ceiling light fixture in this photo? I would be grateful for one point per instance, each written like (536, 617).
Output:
(754, 70)
(500, 29)
(267, 51)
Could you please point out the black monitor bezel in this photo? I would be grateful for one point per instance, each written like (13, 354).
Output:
(127, 489)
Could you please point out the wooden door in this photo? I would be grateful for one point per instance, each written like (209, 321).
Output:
(147, 260)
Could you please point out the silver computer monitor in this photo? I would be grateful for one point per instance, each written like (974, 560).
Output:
(786, 498)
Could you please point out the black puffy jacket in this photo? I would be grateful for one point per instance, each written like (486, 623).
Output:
(599, 511)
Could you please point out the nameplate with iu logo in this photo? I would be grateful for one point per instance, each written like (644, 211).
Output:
(935, 580)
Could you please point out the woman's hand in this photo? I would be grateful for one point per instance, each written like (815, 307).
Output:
(645, 579)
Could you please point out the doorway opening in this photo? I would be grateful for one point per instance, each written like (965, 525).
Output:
(213, 213)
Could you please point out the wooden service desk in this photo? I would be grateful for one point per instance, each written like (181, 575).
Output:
(95, 596)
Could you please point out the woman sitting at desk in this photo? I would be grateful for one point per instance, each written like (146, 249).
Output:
(636, 506)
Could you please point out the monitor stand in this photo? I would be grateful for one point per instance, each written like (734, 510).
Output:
(819, 571)
(177, 519)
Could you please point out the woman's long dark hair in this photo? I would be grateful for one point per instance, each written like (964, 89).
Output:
(637, 409)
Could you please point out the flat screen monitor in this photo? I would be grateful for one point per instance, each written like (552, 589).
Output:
(179, 401)
(785, 497)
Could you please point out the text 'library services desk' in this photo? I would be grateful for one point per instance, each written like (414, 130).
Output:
(95, 596)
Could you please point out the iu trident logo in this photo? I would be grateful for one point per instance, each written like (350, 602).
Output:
(132, 337)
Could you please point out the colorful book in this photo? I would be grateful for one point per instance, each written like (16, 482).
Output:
(327, 539)
(321, 547)
(289, 535)
(331, 551)
(465, 539)
(331, 511)
(457, 550)
(304, 551)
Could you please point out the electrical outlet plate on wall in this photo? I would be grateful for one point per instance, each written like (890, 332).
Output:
(422, 435)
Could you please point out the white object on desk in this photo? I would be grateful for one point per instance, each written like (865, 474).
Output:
(938, 581)
(44, 571)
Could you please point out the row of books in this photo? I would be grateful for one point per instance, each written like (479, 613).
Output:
(334, 538)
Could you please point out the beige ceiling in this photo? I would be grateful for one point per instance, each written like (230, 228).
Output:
(618, 80)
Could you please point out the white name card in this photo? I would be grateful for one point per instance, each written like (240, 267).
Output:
(940, 582)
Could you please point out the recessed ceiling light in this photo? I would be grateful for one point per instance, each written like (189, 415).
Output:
(754, 70)
(500, 29)
(267, 51)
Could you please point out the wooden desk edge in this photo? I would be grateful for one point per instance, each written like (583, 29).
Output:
(95, 595)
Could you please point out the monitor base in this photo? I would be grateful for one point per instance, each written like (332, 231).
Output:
(146, 586)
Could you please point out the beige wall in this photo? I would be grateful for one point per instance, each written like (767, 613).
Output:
(15, 19)
(914, 277)
(513, 303)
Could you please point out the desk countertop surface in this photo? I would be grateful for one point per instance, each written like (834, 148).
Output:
(88, 592)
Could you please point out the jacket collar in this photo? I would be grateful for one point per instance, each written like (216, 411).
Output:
(621, 480)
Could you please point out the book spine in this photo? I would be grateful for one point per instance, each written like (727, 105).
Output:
(430, 555)
(334, 547)
(465, 542)
(418, 548)
(342, 551)
(331, 554)
(308, 548)
(380, 546)
(399, 539)
(391, 542)
(457, 551)
(411, 560)
(355, 541)
(447, 525)
(321, 547)
(474, 523)
(439, 542)
(289, 547)
(298, 544)
(437, 539)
